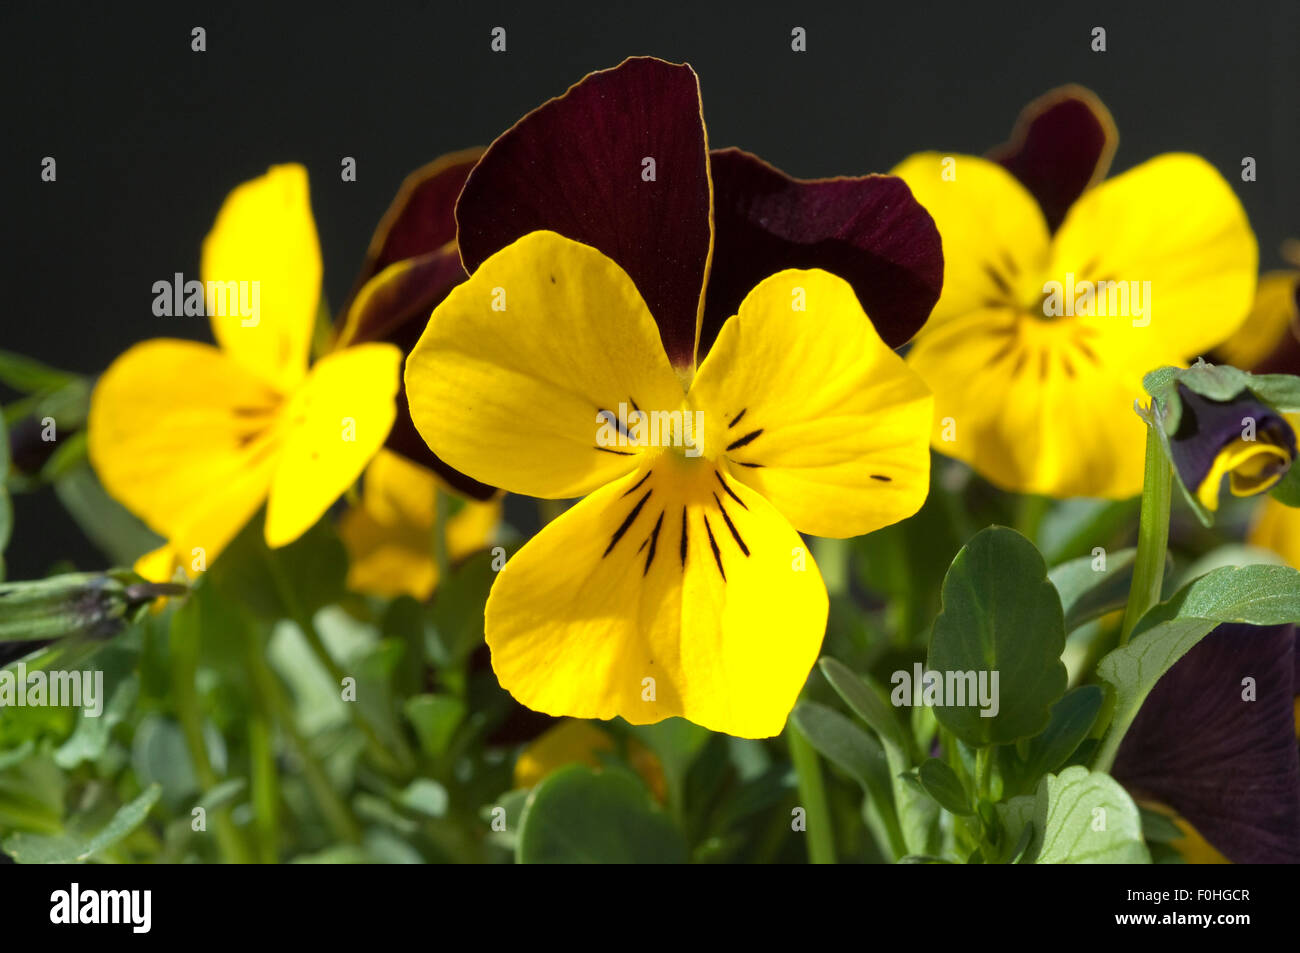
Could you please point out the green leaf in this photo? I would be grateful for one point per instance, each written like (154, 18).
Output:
(917, 813)
(1086, 817)
(942, 784)
(457, 614)
(1001, 618)
(72, 848)
(865, 702)
(435, 719)
(577, 815)
(311, 571)
(107, 523)
(1258, 595)
(1088, 593)
(1287, 490)
(425, 796)
(29, 376)
(1072, 718)
(844, 744)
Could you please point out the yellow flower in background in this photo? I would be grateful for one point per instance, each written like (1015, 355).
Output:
(574, 741)
(1037, 346)
(389, 535)
(194, 439)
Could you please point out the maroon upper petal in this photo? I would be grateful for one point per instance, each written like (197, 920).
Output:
(577, 165)
(868, 230)
(1063, 142)
(1225, 763)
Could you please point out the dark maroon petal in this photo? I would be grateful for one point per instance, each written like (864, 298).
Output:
(1229, 766)
(1208, 426)
(869, 230)
(574, 165)
(422, 216)
(1062, 143)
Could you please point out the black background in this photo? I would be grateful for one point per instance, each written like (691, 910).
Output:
(150, 136)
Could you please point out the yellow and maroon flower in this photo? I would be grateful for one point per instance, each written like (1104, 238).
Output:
(617, 266)
(1062, 288)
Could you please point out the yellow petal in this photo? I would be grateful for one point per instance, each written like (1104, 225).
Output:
(389, 537)
(1277, 527)
(661, 594)
(186, 439)
(265, 233)
(507, 382)
(1174, 222)
(1271, 318)
(1032, 405)
(995, 239)
(810, 408)
(334, 425)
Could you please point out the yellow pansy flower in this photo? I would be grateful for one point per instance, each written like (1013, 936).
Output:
(679, 586)
(389, 535)
(1062, 290)
(194, 438)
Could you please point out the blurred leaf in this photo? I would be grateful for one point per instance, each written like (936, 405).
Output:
(425, 796)
(108, 524)
(1000, 614)
(577, 815)
(435, 719)
(942, 784)
(1073, 528)
(29, 376)
(1088, 593)
(676, 743)
(73, 848)
(312, 569)
(91, 736)
(457, 612)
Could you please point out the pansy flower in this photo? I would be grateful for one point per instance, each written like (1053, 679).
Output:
(1216, 742)
(1063, 288)
(1242, 439)
(389, 534)
(194, 439)
(623, 277)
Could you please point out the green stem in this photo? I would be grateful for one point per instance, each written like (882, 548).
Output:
(1153, 536)
(1148, 567)
(441, 513)
(333, 808)
(812, 796)
(832, 557)
(983, 773)
(186, 700)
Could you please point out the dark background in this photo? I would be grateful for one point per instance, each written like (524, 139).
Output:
(149, 136)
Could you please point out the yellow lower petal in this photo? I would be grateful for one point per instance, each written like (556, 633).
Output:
(334, 425)
(1033, 406)
(641, 602)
